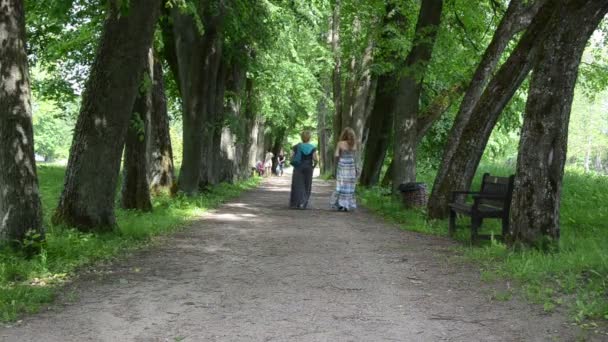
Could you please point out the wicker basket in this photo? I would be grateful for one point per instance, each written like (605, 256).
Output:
(413, 194)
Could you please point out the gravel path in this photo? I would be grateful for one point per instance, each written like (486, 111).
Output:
(254, 270)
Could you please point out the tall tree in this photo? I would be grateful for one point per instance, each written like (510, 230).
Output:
(20, 208)
(135, 187)
(198, 57)
(337, 70)
(324, 127)
(517, 18)
(380, 126)
(87, 201)
(544, 135)
(161, 171)
(410, 89)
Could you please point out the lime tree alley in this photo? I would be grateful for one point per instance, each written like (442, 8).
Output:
(205, 87)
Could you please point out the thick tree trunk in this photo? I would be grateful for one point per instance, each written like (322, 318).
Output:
(517, 18)
(87, 201)
(231, 141)
(213, 160)
(20, 208)
(544, 138)
(198, 59)
(380, 130)
(409, 90)
(135, 186)
(161, 172)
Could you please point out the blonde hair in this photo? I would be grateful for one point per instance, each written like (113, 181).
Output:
(348, 135)
(306, 135)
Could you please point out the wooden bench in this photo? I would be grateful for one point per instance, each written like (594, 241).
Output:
(492, 201)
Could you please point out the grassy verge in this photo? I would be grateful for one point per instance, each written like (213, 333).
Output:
(27, 284)
(576, 276)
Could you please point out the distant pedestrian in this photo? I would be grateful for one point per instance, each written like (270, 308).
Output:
(280, 163)
(343, 199)
(304, 159)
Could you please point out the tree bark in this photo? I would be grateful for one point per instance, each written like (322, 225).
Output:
(135, 186)
(337, 71)
(20, 208)
(362, 94)
(198, 59)
(161, 171)
(233, 130)
(544, 137)
(87, 201)
(324, 129)
(213, 160)
(380, 129)
(409, 90)
(250, 129)
(517, 18)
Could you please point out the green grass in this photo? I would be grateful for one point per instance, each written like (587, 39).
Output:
(27, 284)
(575, 276)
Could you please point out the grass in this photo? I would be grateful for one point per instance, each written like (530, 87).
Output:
(576, 276)
(27, 284)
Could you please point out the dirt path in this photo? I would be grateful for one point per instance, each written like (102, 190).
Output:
(257, 271)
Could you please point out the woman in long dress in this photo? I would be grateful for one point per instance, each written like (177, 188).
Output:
(343, 198)
(301, 181)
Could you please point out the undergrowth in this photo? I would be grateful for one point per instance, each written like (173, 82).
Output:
(27, 284)
(575, 276)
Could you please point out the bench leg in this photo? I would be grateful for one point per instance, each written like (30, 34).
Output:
(452, 224)
(475, 225)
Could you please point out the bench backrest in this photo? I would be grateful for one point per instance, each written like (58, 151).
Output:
(498, 186)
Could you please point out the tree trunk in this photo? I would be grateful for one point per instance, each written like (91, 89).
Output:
(214, 158)
(135, 186)
(87, 201)
(587, 164)
(380, 129)
(198, 59)
(161, 172)
(516, 19)
(362, 94)
(337, 72)
(20, 208)
(231, 144)
(324, 129)
(250, 130)
(544, 137)
(409, 90)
